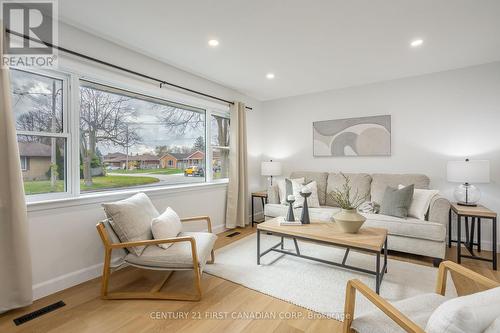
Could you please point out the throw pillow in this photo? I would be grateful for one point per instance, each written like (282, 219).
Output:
(397, 201)
(131, 219)
(312, 201)
(285, 188)
(466, 314)
(420, 202)
(167, 225)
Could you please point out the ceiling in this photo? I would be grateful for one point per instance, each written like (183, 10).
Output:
(310, 45)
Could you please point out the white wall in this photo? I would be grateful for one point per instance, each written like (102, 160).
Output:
(435, 118)
(66, 249)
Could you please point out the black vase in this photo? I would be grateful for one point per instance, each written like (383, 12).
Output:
(290, 217)
(305, 209)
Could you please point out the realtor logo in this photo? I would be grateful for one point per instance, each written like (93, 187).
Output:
(33, 19)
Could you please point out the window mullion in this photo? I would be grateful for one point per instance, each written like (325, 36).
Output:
(208, 145)
(74, 129)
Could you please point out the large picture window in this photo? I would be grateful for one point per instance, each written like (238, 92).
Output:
(88, 137)
(39, 109)
(130, 140)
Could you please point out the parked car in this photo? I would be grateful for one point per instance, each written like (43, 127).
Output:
(194, 171)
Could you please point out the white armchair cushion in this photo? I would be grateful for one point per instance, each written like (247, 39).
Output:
(178, 256)
(467, 314)
(420, 202)
(494, 327)
(131, 219)
(167, 225)
(418, 308)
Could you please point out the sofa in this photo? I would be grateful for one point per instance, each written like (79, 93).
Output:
(411, 235)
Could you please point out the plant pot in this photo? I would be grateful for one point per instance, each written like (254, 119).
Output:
(349, 220)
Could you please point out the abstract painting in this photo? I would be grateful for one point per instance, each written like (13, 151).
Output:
(364, 136)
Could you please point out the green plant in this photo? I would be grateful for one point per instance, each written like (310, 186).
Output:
(344, 198)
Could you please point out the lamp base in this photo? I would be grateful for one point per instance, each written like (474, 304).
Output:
(468, 204)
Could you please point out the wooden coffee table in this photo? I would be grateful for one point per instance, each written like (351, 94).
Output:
(370, 240)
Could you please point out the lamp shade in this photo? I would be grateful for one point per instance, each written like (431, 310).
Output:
(270, 168)
(468, 171)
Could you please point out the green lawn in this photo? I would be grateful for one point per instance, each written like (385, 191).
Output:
(43, 186)
(148, 171)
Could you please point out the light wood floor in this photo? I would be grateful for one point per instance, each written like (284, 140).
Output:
(86, 312)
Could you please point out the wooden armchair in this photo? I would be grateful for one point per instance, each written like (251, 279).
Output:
(391, 311)
(111, 242)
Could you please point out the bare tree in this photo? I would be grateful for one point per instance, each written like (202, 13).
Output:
(104, 118)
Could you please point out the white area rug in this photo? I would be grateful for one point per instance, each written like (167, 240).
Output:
(314, 285)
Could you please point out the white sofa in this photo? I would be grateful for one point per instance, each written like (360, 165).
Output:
(423, 237)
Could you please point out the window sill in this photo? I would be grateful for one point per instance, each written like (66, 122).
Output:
(101, 197)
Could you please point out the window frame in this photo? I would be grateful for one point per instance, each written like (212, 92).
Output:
(65, 134)
(72, 76)
(226, 115)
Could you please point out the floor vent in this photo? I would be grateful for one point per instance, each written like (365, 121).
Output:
(40, 312)
(236, 233)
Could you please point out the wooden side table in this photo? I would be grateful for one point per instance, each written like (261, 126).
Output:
(476, 214)
(263, 197)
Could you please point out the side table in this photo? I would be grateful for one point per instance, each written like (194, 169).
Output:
(263, 197)
(477, 215)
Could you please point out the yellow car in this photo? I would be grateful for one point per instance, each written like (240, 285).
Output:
(194, 171)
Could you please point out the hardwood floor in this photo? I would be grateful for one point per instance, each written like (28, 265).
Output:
(86, 312)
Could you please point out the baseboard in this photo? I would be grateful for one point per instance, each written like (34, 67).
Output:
(72, 279)
(66, 281)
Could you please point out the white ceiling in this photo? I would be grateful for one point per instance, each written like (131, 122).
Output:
(311, 45)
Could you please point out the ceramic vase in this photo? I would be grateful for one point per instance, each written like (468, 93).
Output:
(349, 220)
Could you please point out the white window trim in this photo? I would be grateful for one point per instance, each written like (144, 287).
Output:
(72, 76)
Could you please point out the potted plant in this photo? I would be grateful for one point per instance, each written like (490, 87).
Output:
(348, 219)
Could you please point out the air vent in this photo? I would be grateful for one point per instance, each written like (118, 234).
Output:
(40, 312)
(236, 233)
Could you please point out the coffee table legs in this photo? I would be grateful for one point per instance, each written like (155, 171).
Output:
(379, 273)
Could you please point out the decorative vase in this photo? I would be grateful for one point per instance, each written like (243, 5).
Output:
(304, 218)
(290, 217)
(349, 220)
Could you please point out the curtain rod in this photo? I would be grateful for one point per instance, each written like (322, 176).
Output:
(105, 63)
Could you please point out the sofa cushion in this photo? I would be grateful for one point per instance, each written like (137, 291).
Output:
(380, 181)
(319, 177)
(177, 256)
(409, 227)
(323, 213)
(360, 182)
(131, 219)
(285, 187)
(312, 200)
(418, 308)
(466, 314)
(396, 202)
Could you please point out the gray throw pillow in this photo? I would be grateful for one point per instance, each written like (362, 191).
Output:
(396, 202)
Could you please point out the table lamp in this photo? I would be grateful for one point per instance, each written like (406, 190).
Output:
(468, 172)
(270, 169)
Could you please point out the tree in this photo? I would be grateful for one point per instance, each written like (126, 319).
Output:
(161, 150)
(104, 118)
(199, 144)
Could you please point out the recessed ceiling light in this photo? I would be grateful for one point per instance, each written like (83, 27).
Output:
(213, 42)
(270, 76)
(416, 43)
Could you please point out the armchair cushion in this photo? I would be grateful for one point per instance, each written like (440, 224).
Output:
(177, 256)
(131, 219)
(466, 314)
(418, 309)
(167, 225)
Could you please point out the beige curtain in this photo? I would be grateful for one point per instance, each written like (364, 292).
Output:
(237, 190)
(15, 259)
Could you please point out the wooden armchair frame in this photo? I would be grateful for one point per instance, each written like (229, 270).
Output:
(397, 316)
(154, 292)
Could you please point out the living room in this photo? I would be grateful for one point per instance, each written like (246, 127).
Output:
(228, 112)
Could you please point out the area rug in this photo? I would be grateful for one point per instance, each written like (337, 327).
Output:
(313, 285)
